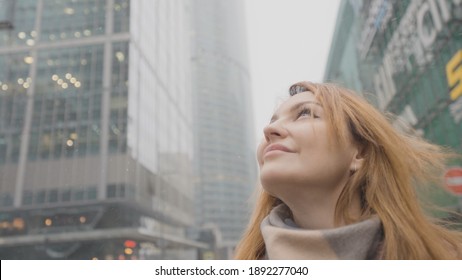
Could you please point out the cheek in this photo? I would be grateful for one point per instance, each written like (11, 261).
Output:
(260, 149)
(326, 161)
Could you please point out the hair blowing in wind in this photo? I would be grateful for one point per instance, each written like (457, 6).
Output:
(395, 165)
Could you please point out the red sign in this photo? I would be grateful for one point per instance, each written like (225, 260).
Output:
(453, 180)
(130, 243)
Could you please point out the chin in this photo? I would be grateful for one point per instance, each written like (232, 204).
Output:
(275, 178)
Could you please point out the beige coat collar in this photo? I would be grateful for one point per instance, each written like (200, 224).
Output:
(284, 240)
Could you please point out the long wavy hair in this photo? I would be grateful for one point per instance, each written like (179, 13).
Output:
(394, 165)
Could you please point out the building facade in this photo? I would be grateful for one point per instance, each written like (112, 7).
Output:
(225, 166)
(96, 134)
(342, 64)
(407, 55)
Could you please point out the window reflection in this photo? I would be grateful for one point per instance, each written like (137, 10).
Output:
(67, 103)
(17, 19)
(68, 20)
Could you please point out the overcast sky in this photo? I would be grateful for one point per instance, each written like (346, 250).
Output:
(289, 41)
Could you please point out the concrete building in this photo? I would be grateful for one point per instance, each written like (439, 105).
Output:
(407, 56)
(96, 135)
(225, 145)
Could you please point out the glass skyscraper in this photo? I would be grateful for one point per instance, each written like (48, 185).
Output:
(225, 145)
(95, 129)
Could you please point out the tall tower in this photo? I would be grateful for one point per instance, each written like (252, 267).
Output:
(95, 129)
(224, 153)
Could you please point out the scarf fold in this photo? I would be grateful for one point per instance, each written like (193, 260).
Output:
(284, 240)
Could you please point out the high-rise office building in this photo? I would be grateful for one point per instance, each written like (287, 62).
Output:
(407, 54)
(95, 129)
(225, 146)
(342, 64)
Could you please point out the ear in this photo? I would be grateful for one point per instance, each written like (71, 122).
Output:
(357, 161)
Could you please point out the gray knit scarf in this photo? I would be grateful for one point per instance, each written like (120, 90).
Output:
(284, 240)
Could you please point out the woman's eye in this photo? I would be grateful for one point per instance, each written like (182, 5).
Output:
(306, 112)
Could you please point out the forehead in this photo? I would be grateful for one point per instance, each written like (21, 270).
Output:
(296, 99)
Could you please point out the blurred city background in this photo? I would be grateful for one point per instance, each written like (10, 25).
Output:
(127, 128)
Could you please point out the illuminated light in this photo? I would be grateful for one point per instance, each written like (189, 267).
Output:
(128, 251)
(82, 219)
(68, 76)
(120, 56)
(87, 32)
(33, 33)
(21, 35)
(75, 136)
(20, 81)
(19, 223)
(60, 81)
(28, 59)
(30, 42)
(73, 80)
(48, 222)
(70, 143)
(55, 77)
(130, 243)
(94, 258)
(64, 85)
(52, 37)
(69, 11)
(26, 85)
(4, 87)
(77, 34)
(77, 84)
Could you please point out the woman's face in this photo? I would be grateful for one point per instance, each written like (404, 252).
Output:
(296, 149)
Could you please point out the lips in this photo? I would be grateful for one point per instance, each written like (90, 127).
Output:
(276, 147)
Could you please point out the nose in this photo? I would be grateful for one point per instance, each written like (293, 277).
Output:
(274, 130)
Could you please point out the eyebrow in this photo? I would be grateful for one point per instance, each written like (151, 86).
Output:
(295, 108)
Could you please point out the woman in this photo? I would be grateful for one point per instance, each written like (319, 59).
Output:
(338, 183)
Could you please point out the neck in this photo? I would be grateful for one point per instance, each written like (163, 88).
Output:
(315, 208)
(312, 212)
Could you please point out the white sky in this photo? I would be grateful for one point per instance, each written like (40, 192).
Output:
(289, 41)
